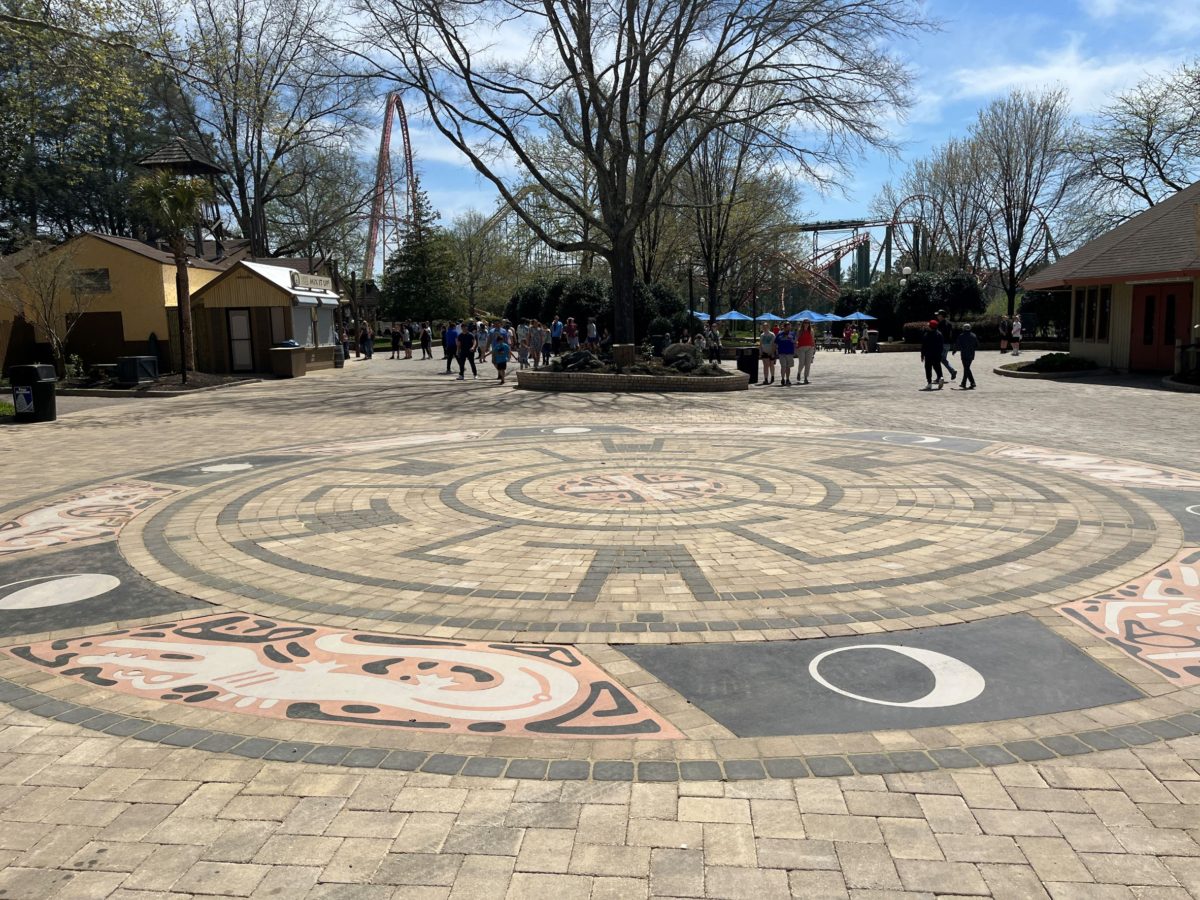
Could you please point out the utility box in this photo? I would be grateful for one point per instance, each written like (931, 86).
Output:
(137, 369)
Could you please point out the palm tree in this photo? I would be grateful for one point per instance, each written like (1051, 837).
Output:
(173, 204)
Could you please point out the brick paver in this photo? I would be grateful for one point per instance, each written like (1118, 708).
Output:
(90, 813)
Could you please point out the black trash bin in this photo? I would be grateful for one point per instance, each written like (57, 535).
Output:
(872, 340)
(747, 361)
(34, 393)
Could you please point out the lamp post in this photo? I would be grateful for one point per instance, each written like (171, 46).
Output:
(906, 271)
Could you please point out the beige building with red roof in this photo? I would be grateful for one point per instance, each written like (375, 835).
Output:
(1134, 294)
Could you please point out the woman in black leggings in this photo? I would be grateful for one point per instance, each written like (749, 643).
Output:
(932, 347)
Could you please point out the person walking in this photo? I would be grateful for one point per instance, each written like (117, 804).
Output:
(966, 345)
(766, 352)
(466, 352)
(556, 333)
(572, 333)
(426, 341)
(344, 337)
(593, 339)
(501, 351)
(406, 339)
(450, 343)
(932, 348)
(1005, 331)
(947, 331)
(806, 347)
(549, 345)
(713, 339)
(1015, 335)
(785, 346)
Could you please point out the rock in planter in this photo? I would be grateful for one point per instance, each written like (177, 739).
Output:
(683, 357)
(579, 361)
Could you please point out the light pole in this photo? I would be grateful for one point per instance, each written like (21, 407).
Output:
(906, 271)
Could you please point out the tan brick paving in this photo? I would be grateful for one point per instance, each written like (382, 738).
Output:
(92, 815)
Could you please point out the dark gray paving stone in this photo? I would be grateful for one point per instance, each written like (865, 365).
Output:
(444, 764)
(485, 766)
(1168, 731)
(744, 770)
(700, 770)
(1189, 722)
(763, 689)
(872, 764)
(612, 770)
(1066, 745)
(365, 757)
(253, 748)
(156, 732)
(125, 727)
(401, 760)
(992, 755)
(527, 768)
(289, 751)
(829, 766)
(953, 758)
(913, 761)
(187, 737)
(219, 743)
(1029, 751)
(1101, 740)
(1133, 735)
(657, 771)
(569, 770)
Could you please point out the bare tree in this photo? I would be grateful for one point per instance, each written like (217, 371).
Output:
(1021, 140)
(320, 211)
(264, 86)
(42, 285)
(618, 80)
(1143, 146)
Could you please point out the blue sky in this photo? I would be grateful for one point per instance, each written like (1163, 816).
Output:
(983, 50)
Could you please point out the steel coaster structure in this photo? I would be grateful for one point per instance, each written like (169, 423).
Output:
(391, 208)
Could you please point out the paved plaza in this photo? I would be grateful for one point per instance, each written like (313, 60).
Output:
(378, 633)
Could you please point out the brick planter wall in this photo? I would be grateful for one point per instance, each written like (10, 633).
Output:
(592, 381)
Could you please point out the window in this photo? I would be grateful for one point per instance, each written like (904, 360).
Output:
(92, 281)
(326, 334)
(1169, 321)
(1105, 313)
(1148, 320)
(1093, 300)
(278, 324)
(302, 326)
(1077, 327)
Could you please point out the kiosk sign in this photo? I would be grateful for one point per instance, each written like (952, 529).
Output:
(311, 282)
(23, 399)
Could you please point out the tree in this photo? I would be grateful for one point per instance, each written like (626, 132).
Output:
(321, 208)
(1142, 147)
(418, 282)
(43, 287)
(483, 268)
(173, 205)
(1022, 142)
(268, 96)
(617, 81)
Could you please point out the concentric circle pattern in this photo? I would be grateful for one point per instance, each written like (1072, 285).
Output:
(629, 533)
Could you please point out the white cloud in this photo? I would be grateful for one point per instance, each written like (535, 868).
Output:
(1090, 79)
(1169, 20)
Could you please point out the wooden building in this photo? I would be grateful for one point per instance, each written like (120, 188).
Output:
(1135, 290)
(251, 307)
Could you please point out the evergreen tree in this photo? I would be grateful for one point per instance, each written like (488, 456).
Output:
(418, 281)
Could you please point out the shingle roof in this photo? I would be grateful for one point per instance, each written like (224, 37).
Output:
(178, 155)
(151, 252)
(1162, 241)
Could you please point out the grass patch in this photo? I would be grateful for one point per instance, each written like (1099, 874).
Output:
(6, 409)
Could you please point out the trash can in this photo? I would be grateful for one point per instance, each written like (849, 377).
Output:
(747, 361)
(288, 361)
(34, 393)
(872, 340)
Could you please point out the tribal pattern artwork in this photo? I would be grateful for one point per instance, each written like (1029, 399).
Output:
(639, 487)
(1155, 619)
(94, 514)
(1102, 469)
(239, 663)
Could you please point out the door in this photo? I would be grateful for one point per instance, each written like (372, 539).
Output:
(1161, 314)
(241, 346)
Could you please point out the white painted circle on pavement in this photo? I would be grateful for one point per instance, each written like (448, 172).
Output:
(571, 430)
(57, 590)
(910, 439)
(1194, 510)
(226, 467)
(954, 681)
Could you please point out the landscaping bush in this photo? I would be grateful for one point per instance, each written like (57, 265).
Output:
(1059, 362)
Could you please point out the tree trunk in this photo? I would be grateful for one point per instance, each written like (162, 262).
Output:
(1011, 291)
(623, 264)
(183, 297)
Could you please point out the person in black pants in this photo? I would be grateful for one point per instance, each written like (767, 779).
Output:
(932, 347)
(466, 352)
(966, 345)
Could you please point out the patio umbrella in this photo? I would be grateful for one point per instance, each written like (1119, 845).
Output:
(806, 315)
(859, 317)
(702, 316)
(769, 317)
(830, 317)
(734, 316)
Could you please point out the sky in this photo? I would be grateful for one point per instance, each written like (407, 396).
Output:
(982, 50)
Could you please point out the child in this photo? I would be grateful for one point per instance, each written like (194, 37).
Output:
(501, 350)
(523, 350)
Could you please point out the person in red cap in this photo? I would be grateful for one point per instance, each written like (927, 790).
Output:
(932, 348)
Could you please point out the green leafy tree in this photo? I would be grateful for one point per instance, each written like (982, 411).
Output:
(418, 282)
(174, 205)
(960, 295)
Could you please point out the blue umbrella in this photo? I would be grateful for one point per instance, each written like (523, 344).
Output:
(830, 317)
(859, 317)
(702, 316)
(734, 316)
(806, 315)
(769, 317)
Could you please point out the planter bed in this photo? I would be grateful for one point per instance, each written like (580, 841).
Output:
(1014, 370)
(591, 382)
(1172, 383)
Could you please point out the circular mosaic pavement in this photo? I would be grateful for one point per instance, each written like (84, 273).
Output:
(762, 602)
(627, 533)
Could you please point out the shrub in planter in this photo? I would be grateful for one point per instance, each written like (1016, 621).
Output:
(1059, 362)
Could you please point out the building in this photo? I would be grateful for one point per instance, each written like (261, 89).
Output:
(239, 315)
(1133, 291)
(129, 300)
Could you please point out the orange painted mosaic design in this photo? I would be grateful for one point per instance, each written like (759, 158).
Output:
(95, 514)
(239, 663)
(1155, 619)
